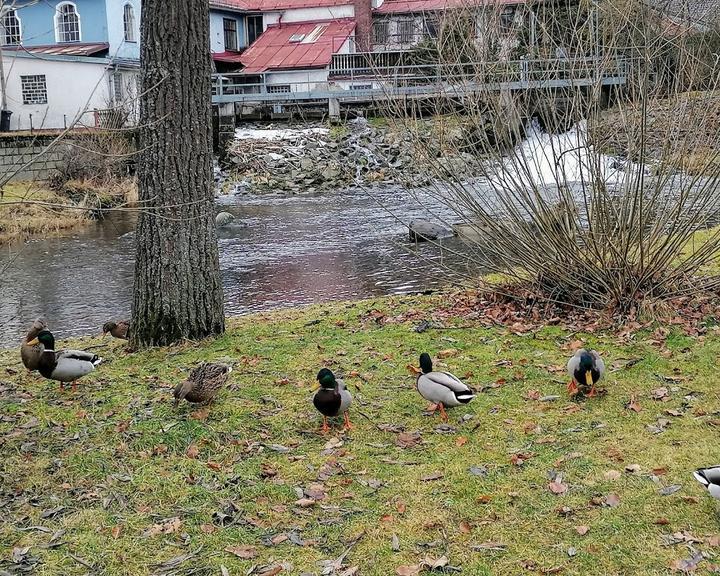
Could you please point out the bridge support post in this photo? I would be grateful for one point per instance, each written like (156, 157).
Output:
(226, 128)
(334, 109)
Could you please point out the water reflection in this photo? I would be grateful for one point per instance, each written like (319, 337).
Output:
(280, 252)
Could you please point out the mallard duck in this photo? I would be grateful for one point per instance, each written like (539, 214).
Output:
(441, 388)
(203, 383)
(710, 478)
(65, 365)
(585, 368)
(332, 399)
(29, 353)
(117, 330)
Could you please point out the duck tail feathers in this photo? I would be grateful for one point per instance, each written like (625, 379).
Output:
(96, 361)
(700, 477)
(464, 397)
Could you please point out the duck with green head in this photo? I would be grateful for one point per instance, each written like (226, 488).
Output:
(585, 368)
(64, 365)
(332, 399)
(443, 389)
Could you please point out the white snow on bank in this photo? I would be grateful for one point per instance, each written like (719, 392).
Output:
(270, 134)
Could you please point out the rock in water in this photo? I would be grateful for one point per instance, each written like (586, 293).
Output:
(223, 219)
(422, 230)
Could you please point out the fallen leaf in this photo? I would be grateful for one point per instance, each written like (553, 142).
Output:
(305, 502)
(557, 487)
(192, 451)
(495, 546)
(612, 475)
(661, 522)
(411, 570)
(400, 507)
(465, 528)
(461, 441)
(214, 466)
(633, 405)
(533, 395)
(395, 543)
(633, 468)
(414, 370)
(612, 500)
(116, 532)
(582, 530)
(660, 394)
(408, 439)
(668, 490)
(244, 552)
(169, 526)
(447, 353)
(200, 414)
(208, 528)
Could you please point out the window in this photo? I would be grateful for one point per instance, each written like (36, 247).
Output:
(361, 87)
(255, 28)
(278, 89)
(507, 17)
(406, 31)
(230, 32)
(10, 28)
(67, 23)
(315, 34)
(381, 31)
(116, 88)
(129, 23)
(431, 27)
(34, 89)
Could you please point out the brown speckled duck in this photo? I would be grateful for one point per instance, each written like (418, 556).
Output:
(203, 383)
(117, 330)
(30, 353)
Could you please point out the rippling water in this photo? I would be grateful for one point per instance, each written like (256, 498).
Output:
(280, 251)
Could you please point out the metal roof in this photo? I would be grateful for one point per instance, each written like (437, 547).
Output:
(229, 57)
(415, 6)
(273, 49)
(275, 5)
(75, 49)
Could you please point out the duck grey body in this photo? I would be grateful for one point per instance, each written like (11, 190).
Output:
(585, 369)
(710, 478)
(72, 364)
(333, 398)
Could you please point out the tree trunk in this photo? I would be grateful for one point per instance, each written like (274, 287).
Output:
(177, 292)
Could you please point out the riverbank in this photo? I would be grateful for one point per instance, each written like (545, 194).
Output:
(113, 480)
(35, 210)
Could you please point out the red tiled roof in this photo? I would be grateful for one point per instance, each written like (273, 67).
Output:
(76, 49)
(409, 6)
(274, 5)
(274, 51)
(228, 57)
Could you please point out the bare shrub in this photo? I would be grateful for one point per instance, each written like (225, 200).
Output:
(555, 211)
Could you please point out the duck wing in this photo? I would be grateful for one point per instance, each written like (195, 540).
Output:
(345, 396)
(73, 364)
(708, 475)
(599, 364)
(574, 362)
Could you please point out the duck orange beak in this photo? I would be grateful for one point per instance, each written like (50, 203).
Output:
(33, 342)
(588, 378)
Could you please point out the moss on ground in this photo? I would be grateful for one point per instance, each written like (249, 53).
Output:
(111, 480)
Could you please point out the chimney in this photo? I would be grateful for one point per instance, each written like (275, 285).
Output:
(363, 25)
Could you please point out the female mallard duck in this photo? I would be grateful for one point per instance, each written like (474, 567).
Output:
(710, 478)
(203, 383)
(117, 330)
(441, 388)
(65, 365)
(585, 368)
(332, 399)
(30, 353)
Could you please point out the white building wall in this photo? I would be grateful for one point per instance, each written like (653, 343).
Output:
(299, 80)
(70, 87)
(310, 14)
(116, 29)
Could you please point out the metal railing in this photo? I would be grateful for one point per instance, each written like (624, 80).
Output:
(390, 74)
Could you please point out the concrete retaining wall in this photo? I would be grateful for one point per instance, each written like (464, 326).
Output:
(18, 150)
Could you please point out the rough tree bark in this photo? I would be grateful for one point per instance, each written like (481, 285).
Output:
(177, 292)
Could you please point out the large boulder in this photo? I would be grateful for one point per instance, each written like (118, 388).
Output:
(422, 230)
(223, 219)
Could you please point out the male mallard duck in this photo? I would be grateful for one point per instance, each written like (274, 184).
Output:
(29, 353)
(585, 368)
(710, 478)
(203, 383)
(65, 365)
(117, 330)
(441, 388)
(332, 399)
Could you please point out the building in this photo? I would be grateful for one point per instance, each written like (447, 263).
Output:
(70, 62)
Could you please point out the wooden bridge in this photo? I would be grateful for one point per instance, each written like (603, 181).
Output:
(374, 76)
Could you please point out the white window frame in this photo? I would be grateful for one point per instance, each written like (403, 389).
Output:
(58, 14)
(132, 28)
(25, 101)
(3, 30)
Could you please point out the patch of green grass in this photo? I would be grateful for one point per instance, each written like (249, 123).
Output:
(114, 455)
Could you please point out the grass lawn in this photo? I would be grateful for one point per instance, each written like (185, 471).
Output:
(111, 480)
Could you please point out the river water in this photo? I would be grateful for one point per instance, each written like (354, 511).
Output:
(281, 251)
